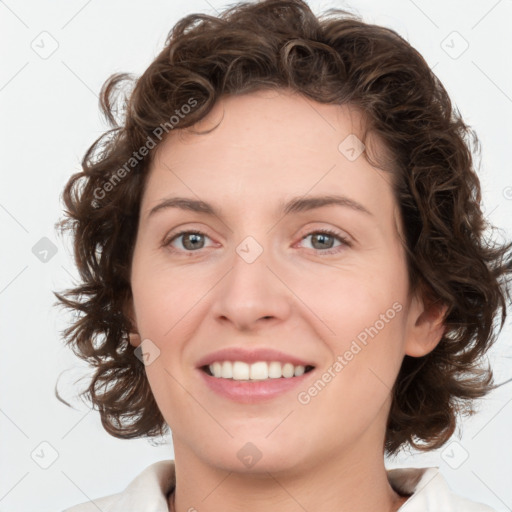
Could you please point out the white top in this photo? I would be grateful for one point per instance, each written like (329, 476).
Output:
(148, 491)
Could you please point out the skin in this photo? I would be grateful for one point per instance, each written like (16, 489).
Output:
(326, 455)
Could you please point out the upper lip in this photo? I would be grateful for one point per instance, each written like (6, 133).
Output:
(251, 356)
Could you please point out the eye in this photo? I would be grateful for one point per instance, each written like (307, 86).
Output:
(324, 239)
(191, 241)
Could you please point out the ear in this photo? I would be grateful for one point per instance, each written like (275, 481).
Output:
(134, 339)
(133, 335)
(425, 324)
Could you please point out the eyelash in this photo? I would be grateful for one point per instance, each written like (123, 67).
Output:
(344, 241)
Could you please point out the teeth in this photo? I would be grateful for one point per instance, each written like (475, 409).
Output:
(258, 371)
(274, 370)
(227, 370)
(261, 370)
(288, 370)
(240, 371)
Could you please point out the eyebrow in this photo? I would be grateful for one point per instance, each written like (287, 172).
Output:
(295, 205)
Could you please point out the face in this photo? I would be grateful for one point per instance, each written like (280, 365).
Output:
(322, 283)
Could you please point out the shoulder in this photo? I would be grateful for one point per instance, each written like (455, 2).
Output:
(148, 490)
(105, 504)
(429, 492)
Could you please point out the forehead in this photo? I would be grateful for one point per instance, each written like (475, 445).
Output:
(274, 118)
(268, 144)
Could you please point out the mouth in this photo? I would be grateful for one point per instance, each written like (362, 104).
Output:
(253, 375)
(259, 382)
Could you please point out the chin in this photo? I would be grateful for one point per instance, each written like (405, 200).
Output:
(254, 454)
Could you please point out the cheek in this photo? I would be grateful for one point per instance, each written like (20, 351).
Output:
(162, 318)
(353, 390)
(363, 314)
(163, 295)
(166, 308)
(354, 303)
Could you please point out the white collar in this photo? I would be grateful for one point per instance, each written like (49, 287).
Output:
(149, 489)
(430, 492)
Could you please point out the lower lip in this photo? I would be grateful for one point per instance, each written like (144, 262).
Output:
(252, 391)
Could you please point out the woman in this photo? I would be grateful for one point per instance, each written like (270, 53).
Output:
(284, 262)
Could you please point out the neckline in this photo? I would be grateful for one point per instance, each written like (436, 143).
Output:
(403, 481)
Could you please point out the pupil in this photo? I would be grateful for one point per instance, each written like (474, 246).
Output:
(322, 236)
(190, 245)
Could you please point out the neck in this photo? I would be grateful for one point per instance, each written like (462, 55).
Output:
(337, 483)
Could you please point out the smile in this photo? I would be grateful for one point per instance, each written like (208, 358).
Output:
(257, 371)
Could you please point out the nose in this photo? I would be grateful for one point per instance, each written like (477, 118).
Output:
(252, 295)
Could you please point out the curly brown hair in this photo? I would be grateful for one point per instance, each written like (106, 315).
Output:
(334, 58)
